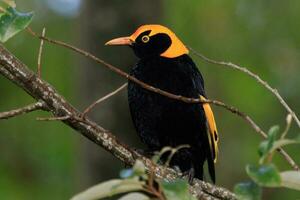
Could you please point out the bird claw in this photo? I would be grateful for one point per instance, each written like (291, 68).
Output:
(190, 174)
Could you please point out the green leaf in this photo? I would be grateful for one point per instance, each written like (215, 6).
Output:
(273, 131)
(109, 188)
(177, 190)
(135, 196)
(248, 191)
(265, 146)
(264, 175)
(139, 168)
(12, 22)
(290, 179)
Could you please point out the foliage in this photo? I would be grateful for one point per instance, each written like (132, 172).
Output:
(110, 188)
(136, 184)
(290, 179)
(177, 190)
(24, 171)
(266, 173)
(248, 191)
(12, 21)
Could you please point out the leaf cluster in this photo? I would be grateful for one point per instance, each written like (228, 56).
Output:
(136, 184)
(266, 173)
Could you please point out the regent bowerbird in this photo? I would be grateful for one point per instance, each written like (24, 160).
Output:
(160, 121)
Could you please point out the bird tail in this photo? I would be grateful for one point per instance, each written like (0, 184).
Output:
(198, 171)
(210, 157)
(211, 169)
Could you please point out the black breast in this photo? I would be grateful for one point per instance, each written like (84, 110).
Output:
(161, 121)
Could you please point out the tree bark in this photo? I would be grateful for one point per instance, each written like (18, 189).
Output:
(101, 21)
(22, 76)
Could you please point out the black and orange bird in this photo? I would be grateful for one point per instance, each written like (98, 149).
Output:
(160, 121)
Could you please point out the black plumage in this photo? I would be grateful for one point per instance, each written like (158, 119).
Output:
(159, 120)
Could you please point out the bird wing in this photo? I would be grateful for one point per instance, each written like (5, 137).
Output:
(212, 129)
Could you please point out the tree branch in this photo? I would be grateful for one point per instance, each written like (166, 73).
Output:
(53, 118)
(253, 75)
(90, 107)
(27, 109)
(22, 76)
(146, 86)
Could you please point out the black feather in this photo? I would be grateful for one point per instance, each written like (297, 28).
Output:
(161, 121)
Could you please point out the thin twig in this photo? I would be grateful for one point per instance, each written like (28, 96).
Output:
(18, 73)
(256, 77)
(23, 110)
(172, 153)
(165, 93)
(89, 108)
(119, 71)
(288, 120)
(40, 53)
(53, 118)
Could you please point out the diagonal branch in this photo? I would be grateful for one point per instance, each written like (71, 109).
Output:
(146, 86)
(27, 109)
(53, 118)
(256, 77)
(90, 107)
(22, 76)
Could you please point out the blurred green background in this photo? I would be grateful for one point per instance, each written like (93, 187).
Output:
(48, 160)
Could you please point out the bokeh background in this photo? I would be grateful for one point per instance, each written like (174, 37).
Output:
(48, 160)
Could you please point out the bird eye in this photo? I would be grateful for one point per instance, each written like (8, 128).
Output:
(145, 38)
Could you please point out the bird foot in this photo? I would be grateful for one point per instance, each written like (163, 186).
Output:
(190, 174)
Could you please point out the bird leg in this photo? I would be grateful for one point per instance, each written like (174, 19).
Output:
(190, 174)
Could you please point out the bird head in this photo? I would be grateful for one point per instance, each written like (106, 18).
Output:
(153, 40)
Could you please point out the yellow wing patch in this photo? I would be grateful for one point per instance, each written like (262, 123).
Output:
(212, 128)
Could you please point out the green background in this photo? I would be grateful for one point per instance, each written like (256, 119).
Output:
(48, 160)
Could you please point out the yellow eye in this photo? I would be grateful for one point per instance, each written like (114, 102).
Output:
(145, 38)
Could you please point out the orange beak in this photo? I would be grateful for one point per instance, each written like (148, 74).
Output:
(120, 41)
